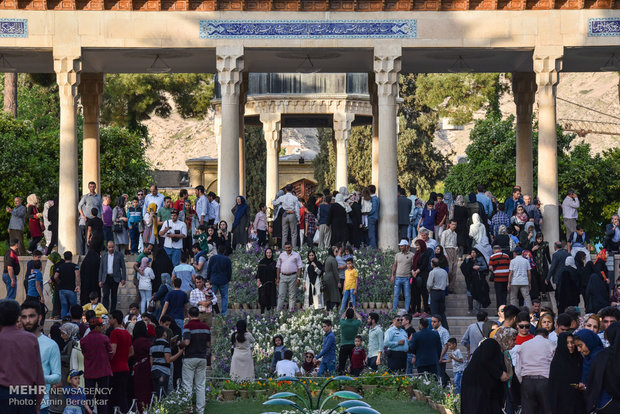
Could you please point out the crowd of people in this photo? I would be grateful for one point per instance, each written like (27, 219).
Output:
(184, 263)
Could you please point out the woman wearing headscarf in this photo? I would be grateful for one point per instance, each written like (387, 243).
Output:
(527, 237)
(89, 276)
(461, 215)
(69, 332)
(540, 250)
(121, 231)
(568, 285)
(142, 384)
(278, 213)
(474, 269)
(448, 198)
(331, 294)
(310, 224)
(478, 234)
(421, 268)
(241, 222)
(337, 220)
(355, 218)
(35, 221)
(584, 270)
(597, 290)
(160, 294)
(589, 345)
(224, 237)
(150, 225)
(441, 257)
(312, 282)
(482, 387)
(266, 281)
(161, 264)
(520, 217)
(565, 371)
(242, 364)
(603, 382)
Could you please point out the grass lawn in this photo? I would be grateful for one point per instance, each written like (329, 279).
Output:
(383, 405)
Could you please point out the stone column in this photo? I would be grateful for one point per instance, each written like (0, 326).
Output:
(387, 64)
(243, 97)
(229, 70)
(342, 132)
(372, 91)
(67, 68)
(272, 131)
(91, 91)
(524, 91)
(547, 66)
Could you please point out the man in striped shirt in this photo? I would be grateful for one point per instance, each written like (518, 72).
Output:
(499, 264)
(161, 358)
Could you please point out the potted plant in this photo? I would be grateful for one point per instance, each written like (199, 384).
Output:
(229, 390)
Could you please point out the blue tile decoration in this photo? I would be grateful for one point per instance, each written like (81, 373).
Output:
(308, 29)
(13, 27)
(604, 26)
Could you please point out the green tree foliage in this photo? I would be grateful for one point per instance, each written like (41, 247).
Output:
(325, 161)
(129, 99)
(255, 161)
(458, 95)
(491, 161)
(359, 157)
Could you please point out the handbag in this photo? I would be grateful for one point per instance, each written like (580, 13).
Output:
(118, 227)
(316, 237)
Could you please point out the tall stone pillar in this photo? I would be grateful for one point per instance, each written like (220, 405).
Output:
(524, 91)
(243, 97)
(547, 66)
(229, 60)
(67, 68)
(91, 92)
(372, 91)
(342, 132)
(387, 64)
(272, 131)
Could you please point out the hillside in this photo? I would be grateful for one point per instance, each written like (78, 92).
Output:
(583, 96)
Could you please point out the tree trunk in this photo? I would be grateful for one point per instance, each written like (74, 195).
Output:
(10, 93)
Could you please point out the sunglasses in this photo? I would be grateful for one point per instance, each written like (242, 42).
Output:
(524, 326)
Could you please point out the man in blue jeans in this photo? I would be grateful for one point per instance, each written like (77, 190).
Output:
(219, 273)
(328, 352)
(401, 272)
(67, 278)
(11, 269)
(174, 304)
(373, 217)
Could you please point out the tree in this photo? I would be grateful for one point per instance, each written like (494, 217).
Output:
(255, 161)
(10, 93)
(129, 99)
(492, 162)
(325, 161)
(359, 157)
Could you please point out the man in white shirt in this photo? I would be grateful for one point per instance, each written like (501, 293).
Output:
(520, 278)
(213, 210)
(153, 197)
(173, 231)
(533, 363)
(447, 240)
(286, 367)
(288, 275)
(570, 213)
(290, 205)
(202, 205)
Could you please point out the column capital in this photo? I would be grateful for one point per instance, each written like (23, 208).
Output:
(547, 65)
(68, 70)
(387, 65)
(524, 92)
(272, 129)
(230, 65)
(342, 125)
(91, 93)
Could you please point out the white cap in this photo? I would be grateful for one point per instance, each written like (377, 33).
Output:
(403, 242)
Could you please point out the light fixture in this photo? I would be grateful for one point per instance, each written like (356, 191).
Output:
(5, 66)
(459, 66)
(307, 66)
(158, 66)
(612, 64)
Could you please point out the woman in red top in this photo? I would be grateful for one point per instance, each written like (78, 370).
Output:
(34, 222)
(523, 328)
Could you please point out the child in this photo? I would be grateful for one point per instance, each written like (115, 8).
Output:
(260, 224)
(278, 351)
(202, 238)
(35, 283)
(75, 400)
(350, 285)
(358, 357)
(366, 207)
(160, 362)
(144, 283)
(428, 217)
(135, 218)
(458, 366)
(99, 309)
